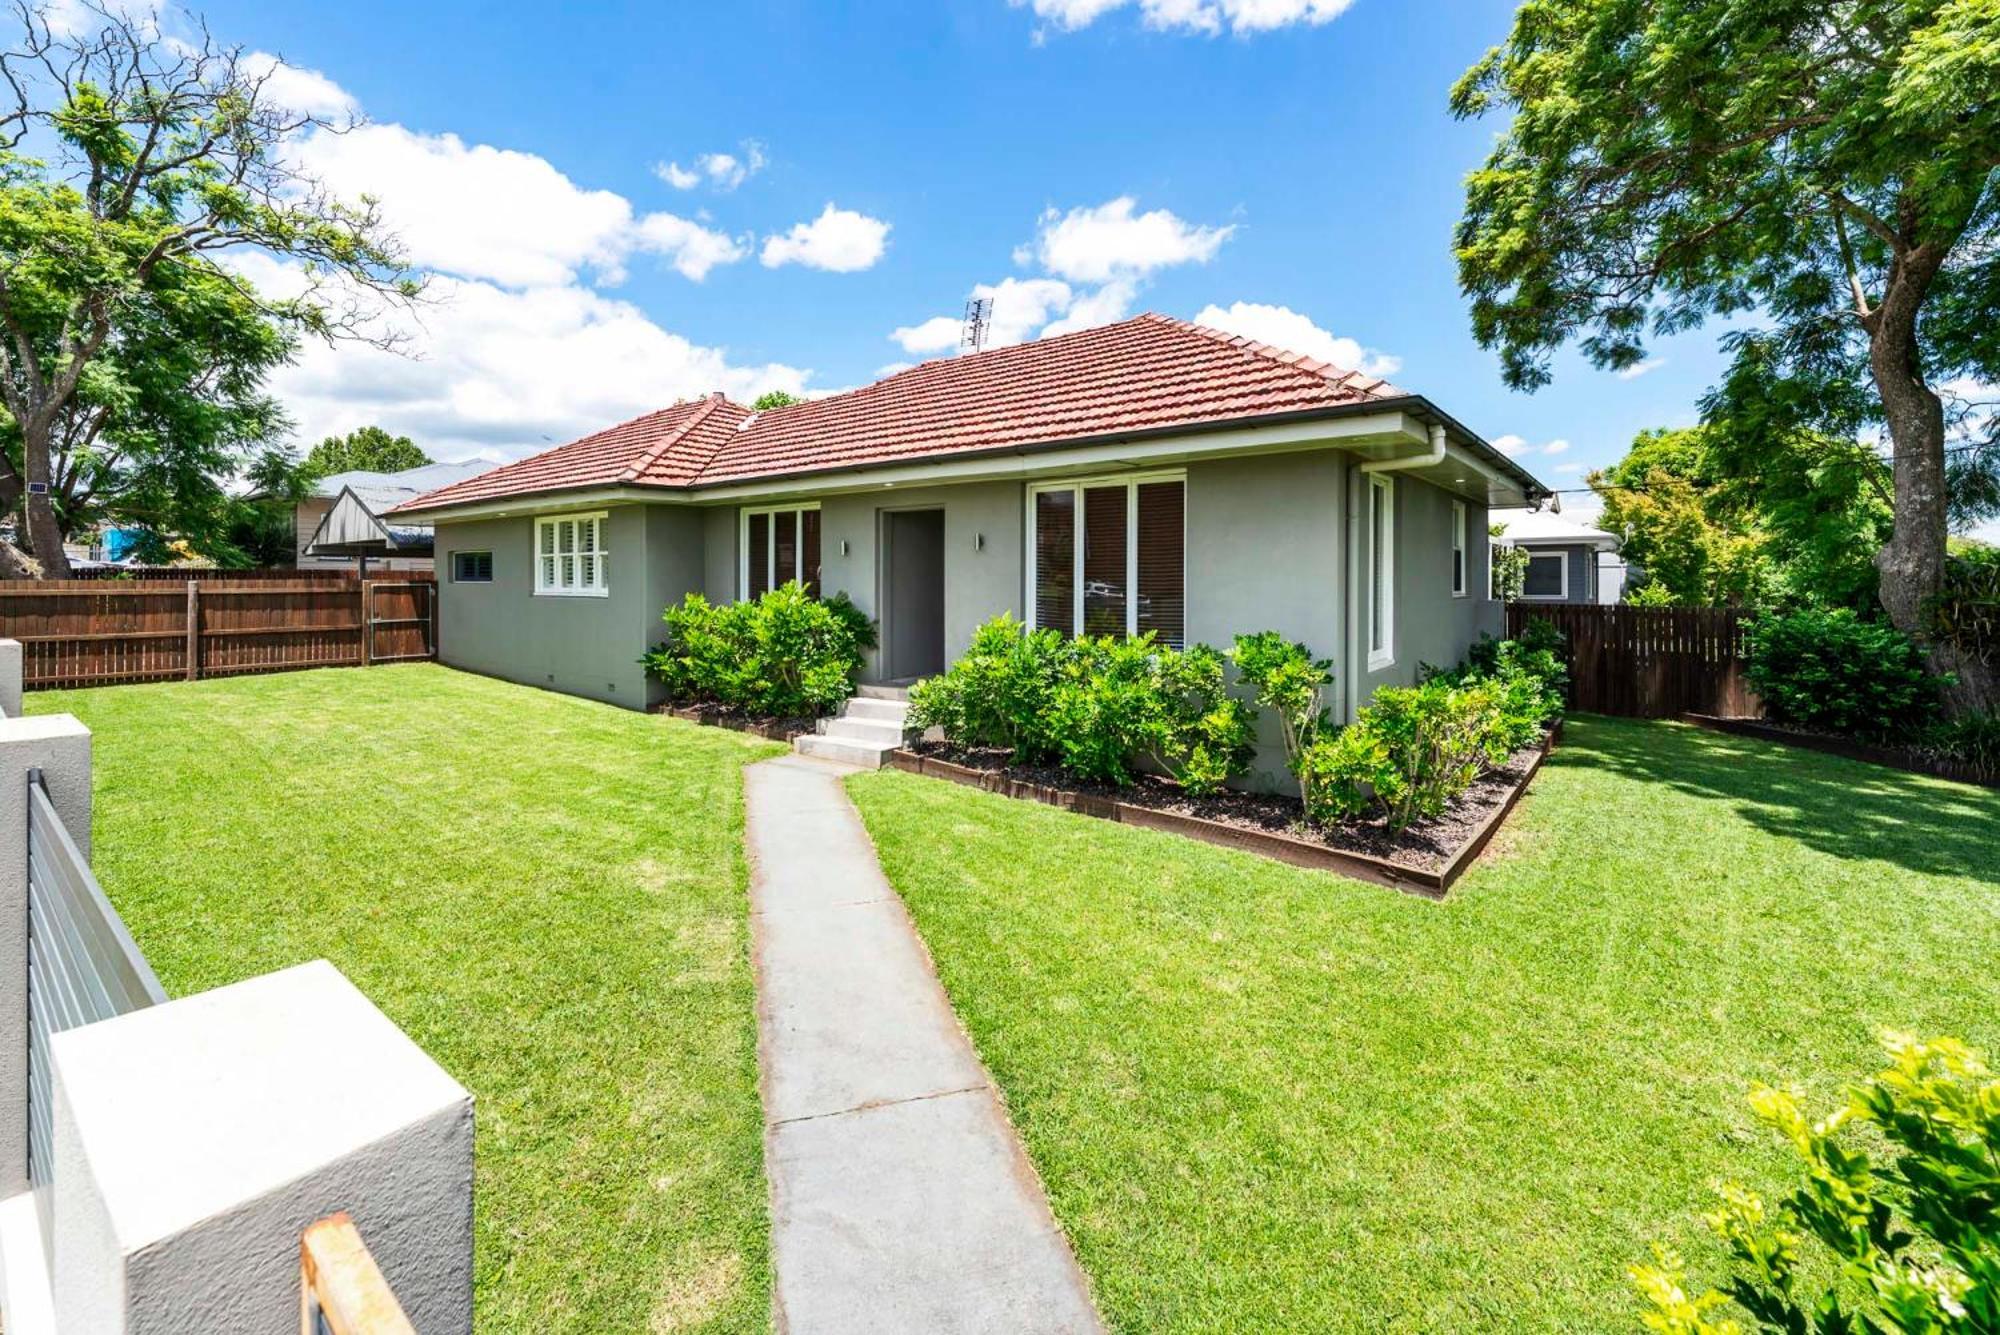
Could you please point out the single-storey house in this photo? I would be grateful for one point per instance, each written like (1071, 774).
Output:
(1568, 562)
(362, 498)
(1147, 475)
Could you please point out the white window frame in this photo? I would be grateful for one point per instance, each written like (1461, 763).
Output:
(1461, 553)
(797, 510)
(1561, 558)
(1131, 482)
(1383, 655)
(601, 585)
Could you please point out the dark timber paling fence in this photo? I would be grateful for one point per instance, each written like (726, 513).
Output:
(93, 632)
(1649, 662)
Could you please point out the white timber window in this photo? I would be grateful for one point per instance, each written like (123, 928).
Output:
(778, 545)
(1381, 548)
(1547, 576)
(570, 556)
(1108, 556)
(1459, 550)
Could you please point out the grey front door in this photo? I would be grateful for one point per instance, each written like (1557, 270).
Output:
(912, 593)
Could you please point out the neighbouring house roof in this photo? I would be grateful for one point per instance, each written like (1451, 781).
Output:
(1544, 528)
(392, 489)
(352, 526)
(1149, 374)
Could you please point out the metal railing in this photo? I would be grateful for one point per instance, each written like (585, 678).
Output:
(83, 966)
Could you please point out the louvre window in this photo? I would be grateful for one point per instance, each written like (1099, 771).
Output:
(1381, 570)
(1110, 557)
(780, 546)
(570, 558)
(1458, 549)
(472, 567)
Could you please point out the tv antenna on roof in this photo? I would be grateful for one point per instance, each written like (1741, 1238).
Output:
(978, 316)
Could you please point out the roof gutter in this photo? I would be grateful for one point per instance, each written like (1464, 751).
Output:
(1430, 458)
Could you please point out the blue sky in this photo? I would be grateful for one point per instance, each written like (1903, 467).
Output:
(1305, 165)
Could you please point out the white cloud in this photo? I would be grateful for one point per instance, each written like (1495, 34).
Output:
(677, 176)
(892, 368)
(297, 89)
(1095, 245)
(500, 215)
(1202, 16)
(839, 240)
(1511, 445)
(1555, 447)
(937, 334)
(1637, 369)
(504, 371)
(1569, 468)
(724, 171)
(1286, 328)
(1107, 304)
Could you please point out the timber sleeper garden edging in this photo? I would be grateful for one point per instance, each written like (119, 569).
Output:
(1280, 846)
(771, 729)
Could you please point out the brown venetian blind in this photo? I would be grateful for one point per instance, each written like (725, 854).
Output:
(1162, 577)
(1104, 575)
(785, 550)
(809, 542)
(1055, 560)
(760, 555)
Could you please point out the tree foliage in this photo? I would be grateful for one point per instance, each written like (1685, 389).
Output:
(1821, 172)
(131, 360)
(1711, 524)
(775, 398)
(369, 449)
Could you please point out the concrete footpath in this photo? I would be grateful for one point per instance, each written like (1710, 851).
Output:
(900, 1197)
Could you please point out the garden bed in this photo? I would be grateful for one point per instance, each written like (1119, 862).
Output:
(1894, 757)
(720, 716)
(1424, 859)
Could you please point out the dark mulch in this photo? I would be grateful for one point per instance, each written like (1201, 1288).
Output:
(722, 716)
(1427, 845)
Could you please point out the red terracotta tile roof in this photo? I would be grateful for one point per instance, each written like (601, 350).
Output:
(663, 449)
(1150, 373)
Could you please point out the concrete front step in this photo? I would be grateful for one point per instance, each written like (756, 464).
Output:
(882, 692)
(846, 750)
(886, 711)
(863, 729)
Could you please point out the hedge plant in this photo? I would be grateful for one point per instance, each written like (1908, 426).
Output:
(1832, 671)
(783, 655)
(1094, 706)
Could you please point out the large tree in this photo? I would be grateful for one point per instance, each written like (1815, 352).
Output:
(368, 449)
(130, 161)
(1822, 171)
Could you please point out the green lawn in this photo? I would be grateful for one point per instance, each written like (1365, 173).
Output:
(1270, 1099)
(547, 894)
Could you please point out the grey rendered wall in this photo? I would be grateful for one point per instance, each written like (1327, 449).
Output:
(1432, 626)
(983, 564)
(1265, 552)
(581, 646)
(719, 569)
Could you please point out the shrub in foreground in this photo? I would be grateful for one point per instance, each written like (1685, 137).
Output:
(1409, 752)
(784, 655)
(1289, 682)
(1833, 672)
(1094, 705)
(1914, 1235)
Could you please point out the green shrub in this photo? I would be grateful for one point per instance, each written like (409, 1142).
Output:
(1288, 681)
(1651, 594)
(1915, 1238)
(1973, 740)
(1529, 677)
(1093, 705)
(1409, 752)
(1199, 733)
(785, 655)
(997, 694)
(1833, 672)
